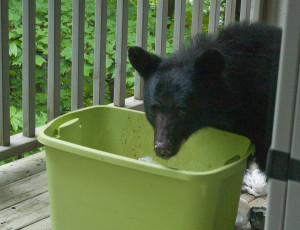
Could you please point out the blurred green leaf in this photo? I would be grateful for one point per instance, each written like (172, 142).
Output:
(13, 49)
(16, 117)
(39, 60)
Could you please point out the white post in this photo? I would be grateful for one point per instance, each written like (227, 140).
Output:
(284, 122)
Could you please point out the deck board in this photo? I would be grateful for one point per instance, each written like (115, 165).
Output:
(24, 194)
(23, 168)
(23, 190)
(25, 213)
(43, 224)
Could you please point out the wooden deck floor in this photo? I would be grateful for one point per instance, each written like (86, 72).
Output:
(24, 202)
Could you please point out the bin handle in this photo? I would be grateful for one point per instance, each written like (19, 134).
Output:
(232, 159)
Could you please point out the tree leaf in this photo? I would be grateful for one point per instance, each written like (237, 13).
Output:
(67, 52)
(108, 62)
(39, 60)
(13, 49)
(12, 110)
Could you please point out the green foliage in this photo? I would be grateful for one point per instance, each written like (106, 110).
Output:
(15, 47)
(16, 119)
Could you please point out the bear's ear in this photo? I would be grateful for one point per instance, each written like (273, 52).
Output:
(211, 61)
(144, 62)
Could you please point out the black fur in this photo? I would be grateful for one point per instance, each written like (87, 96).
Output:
(227, 81)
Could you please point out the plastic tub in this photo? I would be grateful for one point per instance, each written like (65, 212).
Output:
(96, 182)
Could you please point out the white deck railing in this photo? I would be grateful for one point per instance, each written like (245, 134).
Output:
(20, 143)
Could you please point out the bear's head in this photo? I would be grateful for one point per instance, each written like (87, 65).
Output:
(182, 93)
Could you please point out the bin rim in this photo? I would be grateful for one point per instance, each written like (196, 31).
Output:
(84, 151)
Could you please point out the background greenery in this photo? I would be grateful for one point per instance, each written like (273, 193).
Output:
(15, 52)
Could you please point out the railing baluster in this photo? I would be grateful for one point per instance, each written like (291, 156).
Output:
(256, 10)
(77, 54)
(161, 27)
(214, 16)
(197, 17)
(54, 29)
(4, 75)
(121, 53)
(28, 69)
(245, 10)
(230, 12)
(100, 52)
(179, 23)
(141, 40)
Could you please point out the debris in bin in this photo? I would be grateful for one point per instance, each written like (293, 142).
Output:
(242, 219)
(147, 159)
(257, 217)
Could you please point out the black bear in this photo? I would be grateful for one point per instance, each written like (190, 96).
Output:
(227, 81)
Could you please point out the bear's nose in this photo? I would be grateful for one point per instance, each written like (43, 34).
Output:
(161, 150)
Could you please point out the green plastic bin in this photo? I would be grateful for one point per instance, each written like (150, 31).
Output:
(96, 182)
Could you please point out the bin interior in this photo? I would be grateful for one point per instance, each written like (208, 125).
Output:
(128, 133)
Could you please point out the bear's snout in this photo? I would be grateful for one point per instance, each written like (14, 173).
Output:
(165, 142)
(162, 150)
